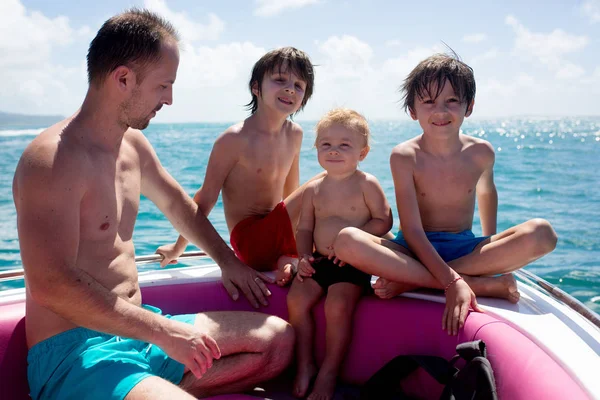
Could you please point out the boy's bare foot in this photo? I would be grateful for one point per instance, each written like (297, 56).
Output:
(285, 270)
(503, 286)
(386, 289)
(304, 378)
(324, 386)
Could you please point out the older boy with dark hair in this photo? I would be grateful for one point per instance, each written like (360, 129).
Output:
(256, 165)
(437, 176)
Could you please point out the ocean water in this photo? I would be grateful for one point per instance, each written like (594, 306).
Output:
(545, 167)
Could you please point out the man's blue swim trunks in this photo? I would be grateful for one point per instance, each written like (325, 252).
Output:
(449, 246)
(85, 364)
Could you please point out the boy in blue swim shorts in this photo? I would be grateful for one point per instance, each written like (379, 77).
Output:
(438, 175)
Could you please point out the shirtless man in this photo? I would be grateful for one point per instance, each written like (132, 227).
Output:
(256, 165)
(76, 190)
(437, 176)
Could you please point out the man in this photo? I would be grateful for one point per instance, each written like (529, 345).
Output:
(76, 190)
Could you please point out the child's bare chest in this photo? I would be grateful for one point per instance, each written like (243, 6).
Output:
(446, 181)
(345, 203)
(268, 161)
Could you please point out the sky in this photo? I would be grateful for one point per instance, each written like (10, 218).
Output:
(531, 58)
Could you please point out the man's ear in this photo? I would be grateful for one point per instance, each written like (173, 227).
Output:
(364, 152)
(124, 78)
(470, 108)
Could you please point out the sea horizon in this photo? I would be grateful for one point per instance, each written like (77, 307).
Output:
(545, 167)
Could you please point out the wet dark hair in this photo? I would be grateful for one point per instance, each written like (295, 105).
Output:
(132, 38)
(289, 58)
(432, 73)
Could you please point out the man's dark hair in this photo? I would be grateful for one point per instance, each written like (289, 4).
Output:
(289, 58)
(432, 73)
(132, 38)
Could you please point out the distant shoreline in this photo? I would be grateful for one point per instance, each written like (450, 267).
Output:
(15, 121)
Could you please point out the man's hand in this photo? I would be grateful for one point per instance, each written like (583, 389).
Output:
(305, 269)
(459, 297)
(237, 275)
(170, 253)
(190, 346)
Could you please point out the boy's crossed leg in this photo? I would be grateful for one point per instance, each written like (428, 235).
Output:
(500, 254)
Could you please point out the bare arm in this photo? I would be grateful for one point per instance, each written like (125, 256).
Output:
(186, 217)
(223, 158)
(292, 181)
(487, 197)
(304, 233)
(381, 214)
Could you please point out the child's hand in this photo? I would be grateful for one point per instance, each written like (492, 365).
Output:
(305, 269)
(170, 253)
(332, 255)
(459, 297)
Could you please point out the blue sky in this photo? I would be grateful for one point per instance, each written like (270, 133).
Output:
(531, 58)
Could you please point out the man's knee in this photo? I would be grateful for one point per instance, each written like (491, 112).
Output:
(280, 347)
(543, 237)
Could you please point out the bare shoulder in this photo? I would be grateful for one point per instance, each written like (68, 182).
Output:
(294, 132)
(53, 160)
(405, 154)
(233, 137)
(367, 181)
(481, 151)
(293, 128)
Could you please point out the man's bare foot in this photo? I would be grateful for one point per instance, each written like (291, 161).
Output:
(503, 286)
(304, 378)
(386, 289)
(324, 386)
(285, 270)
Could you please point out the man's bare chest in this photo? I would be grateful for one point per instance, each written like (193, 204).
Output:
(110, 204)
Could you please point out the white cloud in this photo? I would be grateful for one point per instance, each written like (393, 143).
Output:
(190, 30)
(212, 83)
(37, 35)
(475, 38)
(591, 9)
(550, 49)
(491, 54)
(393, 42)
(569, 71)
(32, 81)
(269, 8)
(349, 56)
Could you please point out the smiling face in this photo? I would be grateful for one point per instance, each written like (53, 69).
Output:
(340, 149)
(282, 90)
(443, 114)
(155, 89)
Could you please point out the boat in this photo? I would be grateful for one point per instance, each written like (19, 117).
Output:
(547, 346)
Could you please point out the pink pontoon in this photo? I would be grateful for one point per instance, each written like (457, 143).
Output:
(545, 347)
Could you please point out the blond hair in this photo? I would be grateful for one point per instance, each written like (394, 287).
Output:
(347, 118)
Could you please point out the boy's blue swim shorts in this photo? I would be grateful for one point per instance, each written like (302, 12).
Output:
(85, 364)
(449, 246)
